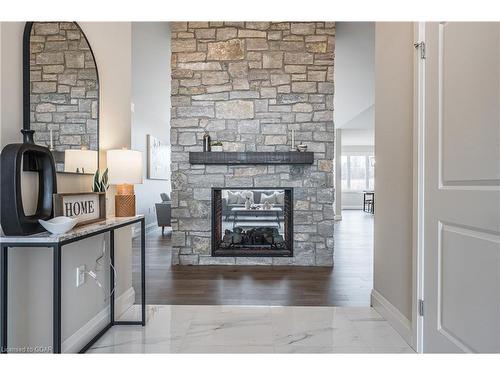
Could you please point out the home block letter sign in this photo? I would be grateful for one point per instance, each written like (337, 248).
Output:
(83, 207)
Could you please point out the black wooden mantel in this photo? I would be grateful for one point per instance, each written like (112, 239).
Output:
(291, 157)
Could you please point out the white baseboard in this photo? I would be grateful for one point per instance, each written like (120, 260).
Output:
(77, 340)
(393, 316)
(124, 302)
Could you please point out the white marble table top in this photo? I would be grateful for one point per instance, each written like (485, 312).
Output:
(82, 230)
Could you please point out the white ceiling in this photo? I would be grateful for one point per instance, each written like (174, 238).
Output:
(354, 75)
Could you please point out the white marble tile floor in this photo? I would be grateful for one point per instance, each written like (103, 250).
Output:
(253, 329)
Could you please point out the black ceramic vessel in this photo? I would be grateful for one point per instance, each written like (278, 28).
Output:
(14, 221)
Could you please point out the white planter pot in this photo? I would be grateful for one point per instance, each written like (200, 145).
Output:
(216, 148)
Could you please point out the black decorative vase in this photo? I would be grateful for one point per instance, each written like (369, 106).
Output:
(29, 159)
(14, 221)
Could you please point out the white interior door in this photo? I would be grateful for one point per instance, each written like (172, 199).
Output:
(462, 188)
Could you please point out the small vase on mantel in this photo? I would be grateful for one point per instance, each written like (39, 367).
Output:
(301, 147)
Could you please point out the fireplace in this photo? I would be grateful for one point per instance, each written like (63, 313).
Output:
(252, 222)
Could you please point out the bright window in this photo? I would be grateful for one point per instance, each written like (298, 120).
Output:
(358, 172)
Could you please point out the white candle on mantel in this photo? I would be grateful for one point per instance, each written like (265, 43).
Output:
(51, 145)
(293, 139)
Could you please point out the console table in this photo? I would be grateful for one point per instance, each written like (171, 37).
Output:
(56, 242)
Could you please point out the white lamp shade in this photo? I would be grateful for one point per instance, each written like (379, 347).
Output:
(124, 166)
(81, 161)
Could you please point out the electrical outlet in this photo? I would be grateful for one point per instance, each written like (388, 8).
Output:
(80, 276)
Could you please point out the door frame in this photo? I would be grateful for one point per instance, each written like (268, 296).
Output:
(417, 322)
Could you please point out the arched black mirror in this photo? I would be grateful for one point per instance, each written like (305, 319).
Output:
(61, 94)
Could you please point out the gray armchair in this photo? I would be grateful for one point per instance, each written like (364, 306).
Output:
(163, 212)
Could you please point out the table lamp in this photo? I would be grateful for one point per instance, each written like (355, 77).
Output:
(80, 161)
(125, 170)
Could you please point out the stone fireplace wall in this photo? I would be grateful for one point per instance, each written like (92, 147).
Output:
(249, 84)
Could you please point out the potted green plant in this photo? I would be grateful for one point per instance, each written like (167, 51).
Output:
(216, 146)
(100, 182)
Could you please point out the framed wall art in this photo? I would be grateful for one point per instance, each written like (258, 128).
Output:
(158, 159)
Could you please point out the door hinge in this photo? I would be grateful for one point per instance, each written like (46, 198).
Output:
(421, 47)
(421, 307)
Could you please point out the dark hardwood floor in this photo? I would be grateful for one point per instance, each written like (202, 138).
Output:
(348, 283)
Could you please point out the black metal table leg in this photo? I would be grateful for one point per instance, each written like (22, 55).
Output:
(112, 276)
(3, 314)
(143, 270)
(56, 313)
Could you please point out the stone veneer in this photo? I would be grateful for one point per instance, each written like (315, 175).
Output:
(63, 87)
(249, 84)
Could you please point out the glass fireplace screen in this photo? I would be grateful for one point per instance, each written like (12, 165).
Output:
(252, 222)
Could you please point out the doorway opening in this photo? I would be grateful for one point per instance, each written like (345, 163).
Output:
(354, 159)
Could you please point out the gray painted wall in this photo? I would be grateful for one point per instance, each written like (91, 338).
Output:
(30, 276)
(151, 102)
(354, 74)
(394, 172)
